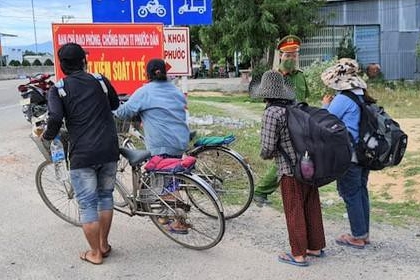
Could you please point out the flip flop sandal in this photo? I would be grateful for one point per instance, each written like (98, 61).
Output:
(320, 255)
(291, 260)
(171, 229)
(84, 258)
(164, 220)
(344, 242)
(107, 252)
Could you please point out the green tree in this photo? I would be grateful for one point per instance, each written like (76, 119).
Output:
(26, 63)
(37, 62)
(251, 27)
(48, 62)
(346, 48)
(14, 63)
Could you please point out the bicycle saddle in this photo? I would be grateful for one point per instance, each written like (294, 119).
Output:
(135, 156)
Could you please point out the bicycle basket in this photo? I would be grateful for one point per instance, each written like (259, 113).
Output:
(43, 146)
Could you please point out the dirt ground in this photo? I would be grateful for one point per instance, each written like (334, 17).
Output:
(392, 180)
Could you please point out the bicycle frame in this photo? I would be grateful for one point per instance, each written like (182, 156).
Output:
(135, 205)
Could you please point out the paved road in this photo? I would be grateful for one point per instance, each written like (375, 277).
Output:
(35, 244)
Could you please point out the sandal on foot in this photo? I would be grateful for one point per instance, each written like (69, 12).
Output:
(107, 252)
(84, 257)
(173, 229)
(345, 240)
(289, 259)
(163, 220)
(320, 255)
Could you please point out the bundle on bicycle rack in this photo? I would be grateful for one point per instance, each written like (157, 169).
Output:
(171, 165)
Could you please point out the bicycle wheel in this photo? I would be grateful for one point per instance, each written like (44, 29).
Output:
(229, 175)
(124, 173)
(58, 196)
(201, 230)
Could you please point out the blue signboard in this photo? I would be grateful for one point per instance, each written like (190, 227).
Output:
(168, 12)
(192, 12)
(111, 11)
(152, 11)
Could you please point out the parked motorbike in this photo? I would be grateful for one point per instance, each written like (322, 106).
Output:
(33, 93)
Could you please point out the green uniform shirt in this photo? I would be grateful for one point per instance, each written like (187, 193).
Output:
(298, 80)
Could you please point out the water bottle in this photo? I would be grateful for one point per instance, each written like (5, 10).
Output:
(58, 158)
(307, 168)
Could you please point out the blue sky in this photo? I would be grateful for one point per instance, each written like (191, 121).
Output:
(16, 18)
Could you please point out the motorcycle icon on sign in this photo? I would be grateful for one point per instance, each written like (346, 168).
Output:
(152, 7)
(193, 6)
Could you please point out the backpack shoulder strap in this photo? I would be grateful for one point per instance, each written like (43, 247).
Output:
(353, 97)
(60, 84)
(100, 79)
(60, 87)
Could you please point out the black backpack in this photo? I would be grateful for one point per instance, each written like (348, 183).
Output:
(381, 143)
(321, 142)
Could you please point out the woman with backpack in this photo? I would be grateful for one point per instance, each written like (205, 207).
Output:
(301, 202)
(352, 186)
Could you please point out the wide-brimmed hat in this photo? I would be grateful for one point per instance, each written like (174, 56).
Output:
(274, 85)
(343, 75)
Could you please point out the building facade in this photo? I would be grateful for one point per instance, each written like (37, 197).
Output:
(383, 31)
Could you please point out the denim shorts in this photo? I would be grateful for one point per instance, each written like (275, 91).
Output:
(93, 187)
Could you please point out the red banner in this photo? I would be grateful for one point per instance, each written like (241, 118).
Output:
(118, 51)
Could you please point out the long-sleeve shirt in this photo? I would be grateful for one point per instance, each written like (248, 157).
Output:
(297, 78)
(274, 132)
(348, 112)
(88, 118)
(161, 107)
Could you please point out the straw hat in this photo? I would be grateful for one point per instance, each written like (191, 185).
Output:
(274, 85)
(343, 75)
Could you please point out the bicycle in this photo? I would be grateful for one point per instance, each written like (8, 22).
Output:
(196, 204)
(222, 167)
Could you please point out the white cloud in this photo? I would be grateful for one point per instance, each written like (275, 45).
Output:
(16, 18)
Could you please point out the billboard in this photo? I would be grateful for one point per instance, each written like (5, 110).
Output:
(118, 51)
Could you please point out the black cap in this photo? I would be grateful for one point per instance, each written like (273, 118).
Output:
(154, 66)
(71, 51)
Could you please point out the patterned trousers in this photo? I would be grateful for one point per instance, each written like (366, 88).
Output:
(302, 209)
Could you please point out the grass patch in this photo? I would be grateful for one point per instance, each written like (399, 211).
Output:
(399, 214)
(199, 109)
(412, 171)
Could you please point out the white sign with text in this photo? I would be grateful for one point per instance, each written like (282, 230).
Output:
(177, 50)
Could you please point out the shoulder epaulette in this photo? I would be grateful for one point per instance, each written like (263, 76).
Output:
(60, 87)
(100, 79)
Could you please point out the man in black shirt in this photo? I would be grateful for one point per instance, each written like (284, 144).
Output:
(85, 102)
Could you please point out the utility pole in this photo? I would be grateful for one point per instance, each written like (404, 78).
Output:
(33, 19)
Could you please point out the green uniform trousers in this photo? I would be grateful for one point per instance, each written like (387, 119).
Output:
(268, 183)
